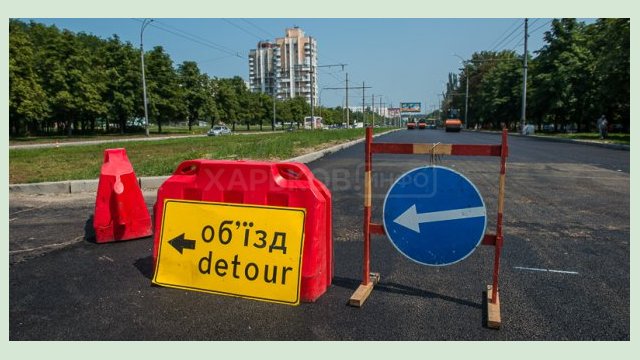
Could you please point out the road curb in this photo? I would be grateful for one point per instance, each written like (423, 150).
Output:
(152, 182)
(60, 187)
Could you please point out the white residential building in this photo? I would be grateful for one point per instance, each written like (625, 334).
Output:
(285, 68)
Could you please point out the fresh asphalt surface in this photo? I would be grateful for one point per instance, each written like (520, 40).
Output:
(565, 269)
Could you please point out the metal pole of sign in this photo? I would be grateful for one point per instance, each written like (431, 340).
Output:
(367, 205)
(493, 295)
(362, 293)
(499, 237)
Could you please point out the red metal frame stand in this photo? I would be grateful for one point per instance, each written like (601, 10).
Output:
(369, 279)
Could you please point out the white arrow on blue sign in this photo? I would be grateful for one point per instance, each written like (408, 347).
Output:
(434, 215)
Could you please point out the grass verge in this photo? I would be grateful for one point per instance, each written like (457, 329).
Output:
(612, 138)
(156, 158)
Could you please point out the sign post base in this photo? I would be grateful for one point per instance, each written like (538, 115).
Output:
(363, 291)
(493, 309)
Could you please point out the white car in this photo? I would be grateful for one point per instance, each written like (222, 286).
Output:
(219, 130)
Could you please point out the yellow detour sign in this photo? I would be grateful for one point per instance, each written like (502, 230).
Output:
(249, 251)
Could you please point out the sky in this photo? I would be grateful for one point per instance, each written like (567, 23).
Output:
(402, 60)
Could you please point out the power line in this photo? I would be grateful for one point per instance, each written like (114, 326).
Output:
(519, 44)
(333, 76)
(508, 39)
(541, 26)
(194, 38)
(244, 30)
(515, 38)
(259, 28)
(495, 43)
(207, 42)
(322, 86)
(212, 60)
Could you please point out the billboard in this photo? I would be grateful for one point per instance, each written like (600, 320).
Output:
(393, 111)
(410, 107)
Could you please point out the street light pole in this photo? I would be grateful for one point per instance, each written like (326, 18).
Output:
(145, 23)
(523, 113)
(313, 119)
(466, 94)
(346, 99)
(466, 98)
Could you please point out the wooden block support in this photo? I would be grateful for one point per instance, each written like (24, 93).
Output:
(361, 294)
(493, 309)
(363, 291)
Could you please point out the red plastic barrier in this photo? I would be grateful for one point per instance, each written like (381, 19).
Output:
(262, 183)
(121, 213)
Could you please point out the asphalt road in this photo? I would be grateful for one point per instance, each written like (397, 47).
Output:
(565, 270)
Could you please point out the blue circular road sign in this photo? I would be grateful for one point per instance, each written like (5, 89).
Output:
(434, 215)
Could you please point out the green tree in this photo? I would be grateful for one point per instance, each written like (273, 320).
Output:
(28, 105)
(501, 92)
(228, 101)
(93, 82)
(611, 51)
(211, 111)
(163, 90)
(564, 75)
(232, 98)
(71, 82)
(299, 108)
(258, 108)
(476, 69)
(495, 84)
(194, 87)
(123, 93)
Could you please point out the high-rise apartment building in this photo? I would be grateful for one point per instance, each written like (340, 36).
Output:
(285, 68)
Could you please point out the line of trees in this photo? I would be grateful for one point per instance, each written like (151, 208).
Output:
(61, 82)
(581, 72)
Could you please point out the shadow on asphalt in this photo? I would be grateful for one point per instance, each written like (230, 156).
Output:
(407, 290)
(145, 266)
(395, 288)
(485, 313)
(89, 232)
(346, 283)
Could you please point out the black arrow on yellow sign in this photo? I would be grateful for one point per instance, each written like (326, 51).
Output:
(180, 243)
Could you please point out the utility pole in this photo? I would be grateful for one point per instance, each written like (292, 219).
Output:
(363, 113)
(347, 102)
(523, 117)
(380, 109)
(373, 116)
(346, 80)
(313, 120)
(466, 96)
(145, 23)
(373, 108)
